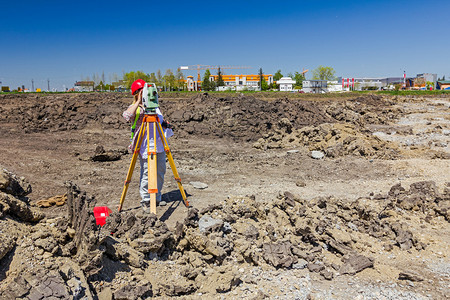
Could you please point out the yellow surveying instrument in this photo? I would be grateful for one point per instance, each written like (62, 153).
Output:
(151, 122)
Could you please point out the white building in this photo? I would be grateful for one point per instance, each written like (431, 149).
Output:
(286, 83)
(334, 86)
(370, 83)
(314, 86)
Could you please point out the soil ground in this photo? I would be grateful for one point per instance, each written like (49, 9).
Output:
(228, 143)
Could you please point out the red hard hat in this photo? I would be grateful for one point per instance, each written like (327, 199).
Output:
(137, 85)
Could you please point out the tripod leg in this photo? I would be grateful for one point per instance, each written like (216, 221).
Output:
(172, 164)
(137, 148)
(152, 169)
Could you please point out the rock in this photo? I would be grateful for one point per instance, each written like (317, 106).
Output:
(16, 289)
(203, 244)
(290, 199)
(178, 288)
(410, 275)
(208, 224)
(301, 264)
(403, 237)
(48, 244)
(300, 183)
(314, 267)
(278, 255)
(355, 263)
(317, 154)
(210, 208)
(198, 185)
(340, 235)
(293, 151)
(121, 251)
(227, 227)
(71, 232)
(12, 184)
(251, 232)
(326, 274)
(47, 285)
(150, 243)
(102, 155)
(105, 294)
(219, 282)
(128, 292)
(16, 207)
(7, 243)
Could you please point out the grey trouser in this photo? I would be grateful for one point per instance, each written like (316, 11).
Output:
(143, 181)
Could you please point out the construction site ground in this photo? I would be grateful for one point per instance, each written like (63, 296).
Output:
(298, 197)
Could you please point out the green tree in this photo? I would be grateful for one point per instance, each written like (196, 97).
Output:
(169, 80)
(152, 78)
(207, 85)
(277, 75)
(274, 86)
(263, 85)
(100, 86)
(260, 78)
(323, 73)
(109, 87)
(130, 77)
(159, 78)
(298, 77)
(219, 81)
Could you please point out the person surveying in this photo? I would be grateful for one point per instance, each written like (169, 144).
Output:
(135, 114)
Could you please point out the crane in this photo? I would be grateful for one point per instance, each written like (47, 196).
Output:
(206, 67)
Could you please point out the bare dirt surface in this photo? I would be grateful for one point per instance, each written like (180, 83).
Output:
(305, 198)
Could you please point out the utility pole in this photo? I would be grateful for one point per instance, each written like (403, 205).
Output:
(32, 85)
(48, 85)
(260, 78)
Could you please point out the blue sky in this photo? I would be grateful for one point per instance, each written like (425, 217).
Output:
(65, 41)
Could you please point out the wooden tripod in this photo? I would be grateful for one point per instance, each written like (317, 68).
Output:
(148, 120)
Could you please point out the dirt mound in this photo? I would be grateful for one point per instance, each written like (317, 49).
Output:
(334, 140)
(137, 255)
(242, 117)
(61, 112)
(368, 109)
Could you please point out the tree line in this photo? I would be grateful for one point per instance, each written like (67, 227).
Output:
(170, 81)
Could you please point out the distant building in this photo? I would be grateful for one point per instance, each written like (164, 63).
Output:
(421, 81)
(369, 83)
(119, 85)
(286, 84)
(443, 85)
(84, 86)
(314, 86)
(428, 77)
(334, 86)
(241, 82)
(232, 82)
(193, 85)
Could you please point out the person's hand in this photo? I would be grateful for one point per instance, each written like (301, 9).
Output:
(166, 124)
